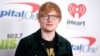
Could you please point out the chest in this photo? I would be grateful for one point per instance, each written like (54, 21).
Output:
(40, 50)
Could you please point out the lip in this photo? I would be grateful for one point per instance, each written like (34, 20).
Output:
(49, 24)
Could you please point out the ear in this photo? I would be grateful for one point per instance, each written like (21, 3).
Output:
(59, 19)
(38, 19)
(37, 16)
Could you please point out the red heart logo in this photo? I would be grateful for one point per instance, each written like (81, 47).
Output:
(80, 9)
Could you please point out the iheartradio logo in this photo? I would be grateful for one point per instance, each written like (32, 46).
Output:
(79, 9)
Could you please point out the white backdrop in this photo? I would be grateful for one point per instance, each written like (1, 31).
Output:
(80, 24)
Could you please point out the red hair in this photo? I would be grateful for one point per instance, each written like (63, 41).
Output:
(48, 7)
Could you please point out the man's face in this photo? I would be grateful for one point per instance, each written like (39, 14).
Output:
(49, 22)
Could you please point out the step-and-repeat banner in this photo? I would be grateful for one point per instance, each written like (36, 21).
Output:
(80, 24)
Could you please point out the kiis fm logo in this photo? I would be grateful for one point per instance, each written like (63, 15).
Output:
(22, 14)
(80, 9)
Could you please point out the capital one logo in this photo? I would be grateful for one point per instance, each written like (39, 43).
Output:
(91, 40)
(20, 14)
(33, 5)
(83, 47)
(79, 9)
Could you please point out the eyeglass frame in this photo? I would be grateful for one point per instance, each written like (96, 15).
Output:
(53, 17)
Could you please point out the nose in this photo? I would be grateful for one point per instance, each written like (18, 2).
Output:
(49, 18)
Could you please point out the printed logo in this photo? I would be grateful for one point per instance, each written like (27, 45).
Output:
(90, 39)
(20, 14)
(80, 9)
(83, 46)
(33, 5)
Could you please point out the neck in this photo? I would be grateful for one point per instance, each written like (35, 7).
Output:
(48, 36)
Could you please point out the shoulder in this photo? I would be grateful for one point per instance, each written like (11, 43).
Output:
(63, 40)
(32, 37)
(28, 39)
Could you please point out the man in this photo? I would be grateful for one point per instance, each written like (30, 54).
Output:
(46, 41)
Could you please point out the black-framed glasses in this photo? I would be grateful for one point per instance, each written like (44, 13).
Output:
(53, 17)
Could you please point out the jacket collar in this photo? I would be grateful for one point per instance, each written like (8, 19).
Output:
(58, 37)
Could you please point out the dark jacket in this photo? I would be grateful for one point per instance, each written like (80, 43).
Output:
(33, 46)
